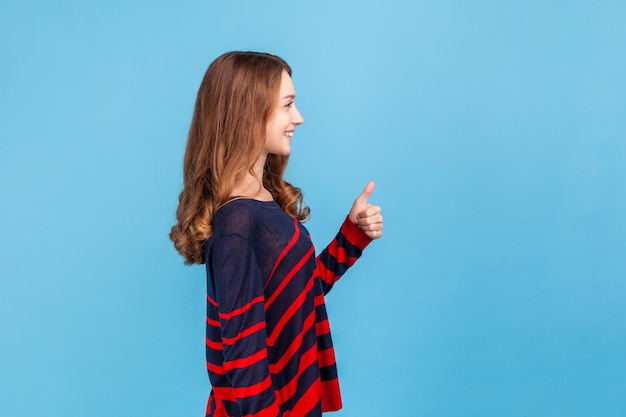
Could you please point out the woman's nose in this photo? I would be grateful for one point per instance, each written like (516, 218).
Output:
(297, 118)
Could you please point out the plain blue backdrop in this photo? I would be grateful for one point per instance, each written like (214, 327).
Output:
(496, 132)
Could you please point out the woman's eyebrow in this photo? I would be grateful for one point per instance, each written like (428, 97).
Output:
(291, 96)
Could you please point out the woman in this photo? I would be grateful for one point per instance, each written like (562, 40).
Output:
(268, 345)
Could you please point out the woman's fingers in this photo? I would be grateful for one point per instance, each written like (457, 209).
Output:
(370, 221)
(370, 215)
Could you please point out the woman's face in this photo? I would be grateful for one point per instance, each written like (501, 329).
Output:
(284, 119)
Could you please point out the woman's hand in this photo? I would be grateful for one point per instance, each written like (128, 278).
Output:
(367, 216)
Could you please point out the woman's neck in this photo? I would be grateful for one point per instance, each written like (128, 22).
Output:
(251, 187)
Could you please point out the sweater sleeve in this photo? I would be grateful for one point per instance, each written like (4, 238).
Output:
(341, 253)
(240, 301)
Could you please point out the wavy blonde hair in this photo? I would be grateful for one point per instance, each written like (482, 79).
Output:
(227, 134)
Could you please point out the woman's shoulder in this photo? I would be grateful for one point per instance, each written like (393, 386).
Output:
(241, 215)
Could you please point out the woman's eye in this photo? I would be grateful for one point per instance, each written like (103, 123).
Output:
(290, 104)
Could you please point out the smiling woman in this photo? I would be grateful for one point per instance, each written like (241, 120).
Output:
(284, 119)
(268, 345)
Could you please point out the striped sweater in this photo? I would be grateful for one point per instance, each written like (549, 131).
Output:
(268, 346)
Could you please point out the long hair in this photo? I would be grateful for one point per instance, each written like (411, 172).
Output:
(227, 134)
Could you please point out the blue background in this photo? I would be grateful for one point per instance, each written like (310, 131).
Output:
(495, 131)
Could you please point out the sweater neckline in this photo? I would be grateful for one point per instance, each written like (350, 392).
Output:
(264, 203)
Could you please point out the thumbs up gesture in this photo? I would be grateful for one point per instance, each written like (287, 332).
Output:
(367, 216)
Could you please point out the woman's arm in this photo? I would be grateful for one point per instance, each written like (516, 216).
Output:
(240, 302)
(363, 224)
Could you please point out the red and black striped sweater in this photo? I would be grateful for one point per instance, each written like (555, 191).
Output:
(268, 346)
